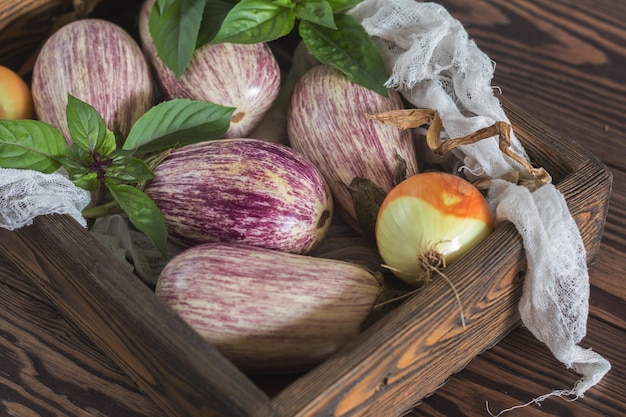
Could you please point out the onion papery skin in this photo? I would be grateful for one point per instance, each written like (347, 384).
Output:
(430, 211)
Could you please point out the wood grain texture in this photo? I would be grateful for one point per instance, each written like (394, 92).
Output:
(153, 345)
(23, 24)
(420, 343)
(50, 368)
(562, 62)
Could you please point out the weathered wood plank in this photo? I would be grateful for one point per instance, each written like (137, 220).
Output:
(411, 352)
(519, 369)
(561, 61)
(536, 66)
(49, 368)
(23, 24)
(162, 354)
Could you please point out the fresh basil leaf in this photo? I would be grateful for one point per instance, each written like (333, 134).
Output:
(350, 49)
(78, 155)
(174, 28)
(31, 144)
(87, 127)
(74, 167)
(342, 5)
(178, 121)
(284, 3)
(142, 212)
(122, 156)
(163, 4)
(316, 11)
(255, 21)
(133, 171)
(215, 12)
(87, 181)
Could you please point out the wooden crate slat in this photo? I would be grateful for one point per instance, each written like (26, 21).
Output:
(153, 345)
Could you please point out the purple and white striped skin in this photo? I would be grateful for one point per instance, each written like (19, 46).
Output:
(99, 63)
(268, 311)
(246, 77)
(242, 190)
(326, 122)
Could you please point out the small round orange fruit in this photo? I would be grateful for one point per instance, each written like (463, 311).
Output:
(16, 101)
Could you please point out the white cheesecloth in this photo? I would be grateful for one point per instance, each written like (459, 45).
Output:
(435, 65)
(25, 194)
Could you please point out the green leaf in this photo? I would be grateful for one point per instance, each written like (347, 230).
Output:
(163, 4)
(178, 121)
(350, 49)
(215, 12)
(78, 170)
(342, 5)
(142, 212)
(87, 181)
(88, 128)
(79, 155)
(31, 144)
(174, 27)
(316, 11)
(132, 171)
(255, 21)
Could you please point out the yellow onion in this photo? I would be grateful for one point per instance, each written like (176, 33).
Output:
(427, 222)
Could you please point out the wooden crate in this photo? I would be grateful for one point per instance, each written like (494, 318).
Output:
(23, 24)
(396, 362)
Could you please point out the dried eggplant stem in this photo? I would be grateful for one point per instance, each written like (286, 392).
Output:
(411, 118)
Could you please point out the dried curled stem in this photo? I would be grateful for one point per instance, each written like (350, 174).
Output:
(411, 118)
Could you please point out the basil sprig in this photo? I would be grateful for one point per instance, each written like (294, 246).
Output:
(179, 27)
(95, 162)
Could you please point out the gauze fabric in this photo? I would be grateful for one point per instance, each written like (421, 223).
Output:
(25, 194)
(435, 65)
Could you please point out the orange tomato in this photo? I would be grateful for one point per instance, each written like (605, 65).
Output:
(16, 101)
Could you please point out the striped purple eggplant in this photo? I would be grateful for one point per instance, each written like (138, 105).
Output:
(99, 63)
(268, 311)
(246, 77)
(327, 122)
(242, 190)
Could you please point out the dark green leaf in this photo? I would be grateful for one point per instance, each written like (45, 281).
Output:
(79, 155)
(87, 127)
(163, 4)
(74, 168)
(122, 156)
(215, 12)
(142, 213)
(174, 29)
(255, 21)
(285, 3)
(350, 49)
(342, 5)
(178, 121)
(316, 11)
(31, 144)
(87, 181)
(133, 171)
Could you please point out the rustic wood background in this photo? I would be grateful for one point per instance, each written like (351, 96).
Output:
(564, 63)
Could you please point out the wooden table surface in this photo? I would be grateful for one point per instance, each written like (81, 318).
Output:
(562, 61)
